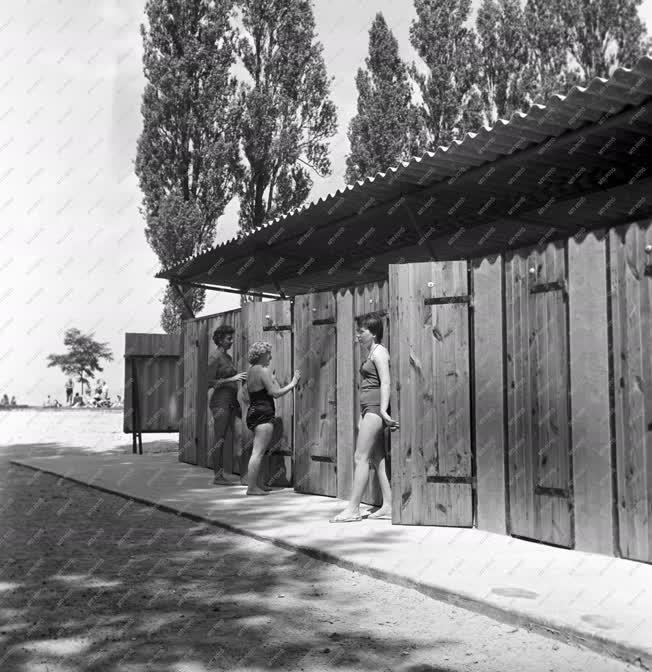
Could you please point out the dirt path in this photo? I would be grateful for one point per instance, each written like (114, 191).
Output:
(92, 582)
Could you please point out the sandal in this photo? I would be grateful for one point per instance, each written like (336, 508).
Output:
(345, 519)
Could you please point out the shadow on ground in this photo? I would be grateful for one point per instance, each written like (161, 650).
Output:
(91, 581)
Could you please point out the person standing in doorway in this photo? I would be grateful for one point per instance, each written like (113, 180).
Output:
(224, 405)
(262, 388)
(374, 417)
(69, 389)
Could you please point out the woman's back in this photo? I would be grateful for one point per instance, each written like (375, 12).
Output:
(255, 382)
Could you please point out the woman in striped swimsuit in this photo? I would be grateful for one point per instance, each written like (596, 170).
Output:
(374, 417)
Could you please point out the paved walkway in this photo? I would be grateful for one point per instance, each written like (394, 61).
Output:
(597, 601)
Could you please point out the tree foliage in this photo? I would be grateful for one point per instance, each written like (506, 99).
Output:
(505, 76)
(388, 127)
(286, 115)
(449, 88)
(83, 357)
(187, 157)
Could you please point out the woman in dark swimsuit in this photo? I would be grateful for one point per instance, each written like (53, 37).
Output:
(263, 388)
(224, 405)
(374, 416)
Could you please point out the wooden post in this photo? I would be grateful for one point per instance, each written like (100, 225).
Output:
(589, 381)
(489, 383)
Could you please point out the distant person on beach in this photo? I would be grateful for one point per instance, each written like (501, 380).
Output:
(69, 389)
(77, 401)
(57, 403)
(224, 404)
(5, 400)
(13, 401)
(262, 388)
(48, 402)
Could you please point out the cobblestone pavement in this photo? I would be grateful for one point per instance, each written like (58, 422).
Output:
(94, 582)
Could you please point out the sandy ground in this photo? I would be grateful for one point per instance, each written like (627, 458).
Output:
(76, 429)
(90, 581)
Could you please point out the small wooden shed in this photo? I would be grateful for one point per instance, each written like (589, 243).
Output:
(515, 271)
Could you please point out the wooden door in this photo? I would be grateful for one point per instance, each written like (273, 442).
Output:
(432, 479)
(315, 343)
(631, 327)
(271, 321)
(539, 463)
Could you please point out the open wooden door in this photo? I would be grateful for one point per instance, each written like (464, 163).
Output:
(432, 478)
(315, 353)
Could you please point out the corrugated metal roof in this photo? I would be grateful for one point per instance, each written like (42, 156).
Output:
(600, 130)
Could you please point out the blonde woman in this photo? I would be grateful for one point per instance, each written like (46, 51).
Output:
(262, 388)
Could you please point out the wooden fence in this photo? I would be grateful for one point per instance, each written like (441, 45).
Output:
(522, 382)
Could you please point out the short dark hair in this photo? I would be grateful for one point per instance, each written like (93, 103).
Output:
(374, 323)
(222, 331)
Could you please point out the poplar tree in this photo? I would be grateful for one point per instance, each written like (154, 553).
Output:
(452, 99)
(388, 128)
(287, 117)
(187, 155)
(572, 41)
(506, 77)
(601, 35)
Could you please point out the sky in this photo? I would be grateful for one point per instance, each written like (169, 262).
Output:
(72, 244)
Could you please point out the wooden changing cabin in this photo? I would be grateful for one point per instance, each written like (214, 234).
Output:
(514, 269)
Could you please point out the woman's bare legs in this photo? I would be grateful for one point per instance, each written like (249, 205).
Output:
(262, 436)
(221, 420)
(369, 428)
(378, 457)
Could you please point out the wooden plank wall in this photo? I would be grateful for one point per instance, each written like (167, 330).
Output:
(188, 425)
(159, 373)
(203, 415)
(489, 412)
(347, 414)
(249, 324)
(589, 389)
(631, 313)
(232, 443)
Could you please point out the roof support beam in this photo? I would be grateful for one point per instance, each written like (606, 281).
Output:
(230, 290)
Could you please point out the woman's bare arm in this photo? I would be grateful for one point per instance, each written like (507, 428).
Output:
(380, 358)
(272, 386)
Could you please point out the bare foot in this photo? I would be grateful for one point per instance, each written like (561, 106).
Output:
(383, 512)
(256, 491)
